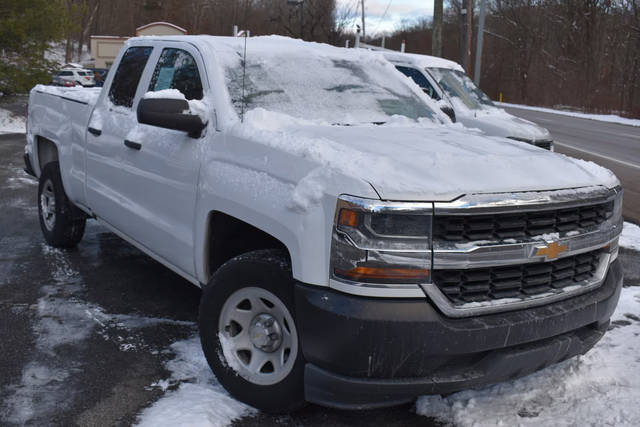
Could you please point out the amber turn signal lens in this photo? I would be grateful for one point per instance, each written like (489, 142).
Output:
(367, 274)
(348, 218)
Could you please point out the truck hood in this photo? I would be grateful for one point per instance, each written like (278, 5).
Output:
(497, 122)
(413, 162)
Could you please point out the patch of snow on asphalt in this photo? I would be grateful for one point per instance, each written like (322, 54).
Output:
(198, 399)
(599, 388)
(11, 123)
(64, 323)
(630, 237)
(609, 118)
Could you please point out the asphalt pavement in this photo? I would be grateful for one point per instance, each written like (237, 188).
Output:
(614, 146)
(85, 334)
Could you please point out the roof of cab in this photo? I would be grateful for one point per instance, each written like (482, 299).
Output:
(422, 61)
(264, 44)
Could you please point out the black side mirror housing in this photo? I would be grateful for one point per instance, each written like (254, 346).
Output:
(170, 114)
(449, 112)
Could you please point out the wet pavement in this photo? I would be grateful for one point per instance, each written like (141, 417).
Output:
(85, 334)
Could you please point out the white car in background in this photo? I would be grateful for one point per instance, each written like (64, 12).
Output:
(445, 80)
(74, 77)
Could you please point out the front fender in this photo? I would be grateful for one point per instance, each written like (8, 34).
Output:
(279, 193)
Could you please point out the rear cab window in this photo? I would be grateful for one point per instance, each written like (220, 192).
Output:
(127, 77)
(177, 69)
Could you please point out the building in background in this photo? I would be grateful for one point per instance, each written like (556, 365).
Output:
(104, 49)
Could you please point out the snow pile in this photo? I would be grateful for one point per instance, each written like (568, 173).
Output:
(609, 118)
(630, 237)
(599, 388)
(11, 123)
(197, 398)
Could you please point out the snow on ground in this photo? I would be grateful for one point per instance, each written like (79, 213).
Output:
(597, 389)
(610, 118)
(11, 123)
(199, 399)
(630, 237)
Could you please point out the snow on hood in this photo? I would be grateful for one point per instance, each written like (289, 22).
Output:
(422, 162)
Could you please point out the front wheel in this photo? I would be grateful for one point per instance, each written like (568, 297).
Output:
(61, 222)
(248, 331)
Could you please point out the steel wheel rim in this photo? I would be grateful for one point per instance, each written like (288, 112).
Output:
(259, 359)
(48, 205)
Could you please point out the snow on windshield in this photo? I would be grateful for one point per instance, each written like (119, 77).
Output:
(461, 89)
(328, 84)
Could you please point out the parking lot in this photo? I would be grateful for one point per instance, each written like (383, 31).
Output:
(103, 335)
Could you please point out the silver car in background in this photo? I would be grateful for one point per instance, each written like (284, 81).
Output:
(446, 81)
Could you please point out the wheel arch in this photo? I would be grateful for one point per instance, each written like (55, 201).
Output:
(227, 236)
(46, 152)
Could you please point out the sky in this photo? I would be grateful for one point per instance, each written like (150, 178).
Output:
(399, 11)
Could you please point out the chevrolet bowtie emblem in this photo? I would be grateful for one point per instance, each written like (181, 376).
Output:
(551, 251)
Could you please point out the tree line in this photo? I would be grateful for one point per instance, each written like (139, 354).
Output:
(582, 54)
(578, 53)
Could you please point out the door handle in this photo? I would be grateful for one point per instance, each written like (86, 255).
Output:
(94, 131)
(132, 145)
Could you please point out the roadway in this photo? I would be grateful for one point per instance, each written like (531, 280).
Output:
(611, 145)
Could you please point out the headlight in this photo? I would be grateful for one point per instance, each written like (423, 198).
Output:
(381, 242)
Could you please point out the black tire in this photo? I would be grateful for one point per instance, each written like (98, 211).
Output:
(264, 269)
(65, 228)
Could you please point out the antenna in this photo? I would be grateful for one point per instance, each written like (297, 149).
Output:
(244, 73)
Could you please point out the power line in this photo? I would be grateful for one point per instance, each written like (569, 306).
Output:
(384, 15)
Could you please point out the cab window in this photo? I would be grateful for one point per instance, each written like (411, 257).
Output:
(177, 69)
(419, 79)
(128, 74)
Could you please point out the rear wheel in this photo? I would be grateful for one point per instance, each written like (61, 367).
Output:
(61, 222)
(248, 331)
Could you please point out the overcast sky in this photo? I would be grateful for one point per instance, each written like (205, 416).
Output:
(399, 10)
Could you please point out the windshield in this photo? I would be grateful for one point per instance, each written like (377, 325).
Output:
(460, 88)
(340, 89)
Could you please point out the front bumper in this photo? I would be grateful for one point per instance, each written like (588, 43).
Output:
(371, 352)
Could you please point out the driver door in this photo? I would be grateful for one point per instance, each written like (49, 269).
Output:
(161, 166)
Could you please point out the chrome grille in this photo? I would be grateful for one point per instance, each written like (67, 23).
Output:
(519, 281)
(521, 225)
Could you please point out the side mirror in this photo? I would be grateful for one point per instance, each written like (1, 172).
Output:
(449, 112)
(170, 114)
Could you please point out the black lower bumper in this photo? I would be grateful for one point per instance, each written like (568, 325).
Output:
(368, 352)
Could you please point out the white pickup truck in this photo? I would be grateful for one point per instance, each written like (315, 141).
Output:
(355, 248)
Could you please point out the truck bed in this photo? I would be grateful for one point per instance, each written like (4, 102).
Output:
(77, 94)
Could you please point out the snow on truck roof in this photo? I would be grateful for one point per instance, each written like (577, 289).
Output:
(423, 61)
(309, 80)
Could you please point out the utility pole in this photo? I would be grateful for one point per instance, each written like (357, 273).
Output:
(436, 40)
(469, 34)
(478, 66)
(363, 27)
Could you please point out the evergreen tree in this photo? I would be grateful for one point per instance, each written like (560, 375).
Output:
(27, 27)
